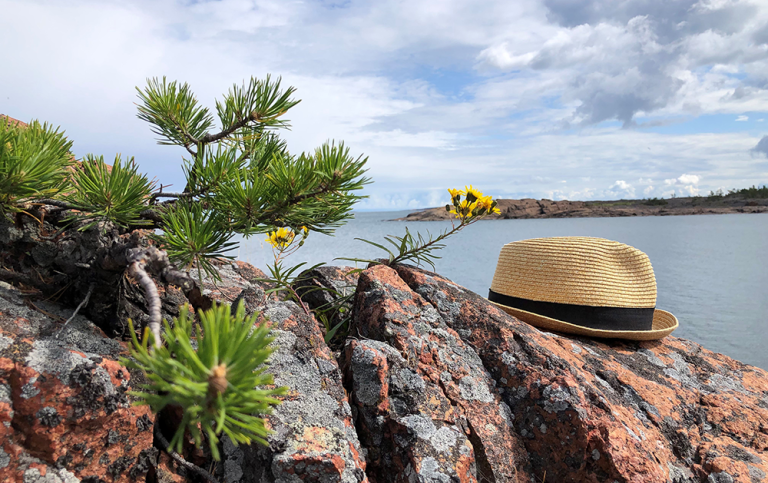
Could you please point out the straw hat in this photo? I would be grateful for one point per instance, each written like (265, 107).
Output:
(580, 285)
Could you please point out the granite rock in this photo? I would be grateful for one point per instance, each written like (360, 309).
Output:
(65, 415)
(438, 385)
(592, 410)
(313, 436)
(426, 405)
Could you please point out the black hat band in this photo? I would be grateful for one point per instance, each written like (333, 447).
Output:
(601, 318)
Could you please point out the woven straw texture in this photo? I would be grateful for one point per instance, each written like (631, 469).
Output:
(580, 271)
(576, 270)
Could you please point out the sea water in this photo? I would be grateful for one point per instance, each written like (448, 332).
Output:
(711, 270)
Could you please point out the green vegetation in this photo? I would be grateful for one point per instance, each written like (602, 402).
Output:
(243, 175)
(419, 249)
(35, 163)
(612, 203)
(192, 238)
(212, 370)
(753, 192)
(240, 179)
(655, 202)
(104, 193)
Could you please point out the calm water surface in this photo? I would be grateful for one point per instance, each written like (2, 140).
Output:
(711, 270)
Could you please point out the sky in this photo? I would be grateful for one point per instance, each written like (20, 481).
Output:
(556, 99)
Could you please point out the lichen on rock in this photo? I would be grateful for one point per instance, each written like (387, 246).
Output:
(64, 408)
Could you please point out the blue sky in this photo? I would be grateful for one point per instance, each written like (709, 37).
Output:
(554, 99)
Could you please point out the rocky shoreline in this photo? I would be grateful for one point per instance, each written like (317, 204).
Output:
(529, 208)
(434, 384)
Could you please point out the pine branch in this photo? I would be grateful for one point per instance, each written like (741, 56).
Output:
(324, 188)
(190, 138)
(151, 215)
(184, 194)
(58, 203)
(211, 138)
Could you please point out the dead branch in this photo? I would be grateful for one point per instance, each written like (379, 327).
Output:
(180, 459)
(156, 261)
(137, 271)
(82, 304)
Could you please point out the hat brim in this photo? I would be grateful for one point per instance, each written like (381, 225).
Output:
(663, 324)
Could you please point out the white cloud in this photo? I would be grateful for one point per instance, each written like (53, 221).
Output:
(685, 185)
(399, 138)
(624, 67)
(621, 189)
(742, 118)
(689, 190)
(512, 97)
(689, 179)
(500, 56)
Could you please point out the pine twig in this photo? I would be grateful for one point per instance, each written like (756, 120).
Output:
(82, 304)
(150, 293)
(180, 459)
(169, 194)
(58, 203)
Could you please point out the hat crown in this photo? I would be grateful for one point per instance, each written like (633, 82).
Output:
(576, 270)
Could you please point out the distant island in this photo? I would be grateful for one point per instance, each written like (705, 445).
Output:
(749, 200)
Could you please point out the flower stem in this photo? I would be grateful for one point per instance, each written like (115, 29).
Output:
(407, 254)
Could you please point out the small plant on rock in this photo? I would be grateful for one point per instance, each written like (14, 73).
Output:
(284, 242)
(114, 193)
(34, 163)
(213, 370)
(467, 206)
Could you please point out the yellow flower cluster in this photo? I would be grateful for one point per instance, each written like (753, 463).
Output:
(474, 205)
(281, 238)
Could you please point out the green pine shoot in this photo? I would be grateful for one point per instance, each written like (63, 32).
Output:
(214, 370)
(193, 237)
(34, 163)
(118, 194)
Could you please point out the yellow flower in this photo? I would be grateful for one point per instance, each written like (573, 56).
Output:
(485, 202)
(455, 193)
(472, 193)
(281, 238)
(304, 230)
(489, 205)
(464, 209)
